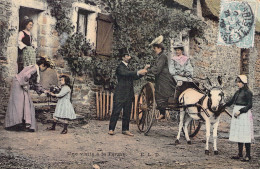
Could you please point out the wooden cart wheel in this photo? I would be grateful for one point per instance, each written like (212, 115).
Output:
(146, 108)
(193, 127)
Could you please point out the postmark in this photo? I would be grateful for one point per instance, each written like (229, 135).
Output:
(236, 24)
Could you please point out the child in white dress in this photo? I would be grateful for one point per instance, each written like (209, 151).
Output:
(64, 110)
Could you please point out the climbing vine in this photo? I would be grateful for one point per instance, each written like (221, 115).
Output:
(136, 24)
(75, 48)
(5, 30)
(60, 10)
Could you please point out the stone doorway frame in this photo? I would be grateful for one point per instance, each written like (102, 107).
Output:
(34, 15)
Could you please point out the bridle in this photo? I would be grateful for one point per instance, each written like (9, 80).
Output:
(221, 107)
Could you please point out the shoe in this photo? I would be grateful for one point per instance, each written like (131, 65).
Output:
(111, 132)
(64, 131)
(50, 128)
(237, 157)
(246, 159)
(161, 117)
(29, 130)
(127, 133)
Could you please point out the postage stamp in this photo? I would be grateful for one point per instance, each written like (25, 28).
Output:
(237, 24)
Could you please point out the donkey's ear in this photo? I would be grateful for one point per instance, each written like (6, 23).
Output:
(220, 80)
(209, 81)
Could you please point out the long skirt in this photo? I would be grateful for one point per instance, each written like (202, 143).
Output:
(29, 56)
(20, 107)
(241, 128)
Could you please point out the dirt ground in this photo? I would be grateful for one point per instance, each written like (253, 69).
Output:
(90, 145)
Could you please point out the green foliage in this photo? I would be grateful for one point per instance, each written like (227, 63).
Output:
(77, 51)
(5, 31)
(60, 10)
(138, 22)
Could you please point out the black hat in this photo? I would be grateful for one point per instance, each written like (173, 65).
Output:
(158, 46)
(123, 52)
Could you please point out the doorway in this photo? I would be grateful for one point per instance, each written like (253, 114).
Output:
(32, 14)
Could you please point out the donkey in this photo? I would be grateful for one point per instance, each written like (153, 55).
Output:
(201, 106)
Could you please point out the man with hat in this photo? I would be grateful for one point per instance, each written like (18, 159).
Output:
(164, 84)
(124, 93)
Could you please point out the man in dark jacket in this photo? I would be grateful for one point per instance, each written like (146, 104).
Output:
(164, 83)
(124, 94)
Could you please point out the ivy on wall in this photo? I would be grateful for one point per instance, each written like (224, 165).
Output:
(60, 10)
(5, 31)
(136, 24)
(76, 49)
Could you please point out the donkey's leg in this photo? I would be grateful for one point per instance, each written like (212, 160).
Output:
(215, 135)
(186, 129)
(207, 136)
(182, 114)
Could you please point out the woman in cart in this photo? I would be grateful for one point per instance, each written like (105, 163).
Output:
(182, 71)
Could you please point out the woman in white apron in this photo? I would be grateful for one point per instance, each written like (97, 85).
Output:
(241, 128)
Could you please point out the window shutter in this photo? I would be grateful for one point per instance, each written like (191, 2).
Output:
(104, 34)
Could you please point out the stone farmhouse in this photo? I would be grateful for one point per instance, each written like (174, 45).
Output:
(91, 18)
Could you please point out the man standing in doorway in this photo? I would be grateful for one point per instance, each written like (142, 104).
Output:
(124, 93)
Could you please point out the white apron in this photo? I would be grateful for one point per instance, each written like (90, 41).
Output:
(241, 128)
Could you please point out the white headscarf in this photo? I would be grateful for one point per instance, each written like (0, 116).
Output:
(243, 78)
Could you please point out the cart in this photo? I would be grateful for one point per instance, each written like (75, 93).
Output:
(147, 112)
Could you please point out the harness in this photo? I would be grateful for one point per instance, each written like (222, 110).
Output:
(199, 107)
(217, 112)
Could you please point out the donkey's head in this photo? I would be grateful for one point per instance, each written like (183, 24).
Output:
(216, 96)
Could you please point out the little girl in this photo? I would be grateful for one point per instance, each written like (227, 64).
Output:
(64, 110)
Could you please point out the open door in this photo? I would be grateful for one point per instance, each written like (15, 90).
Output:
(33, 14)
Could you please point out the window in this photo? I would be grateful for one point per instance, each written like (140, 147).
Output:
(244, 62)
(82, 21)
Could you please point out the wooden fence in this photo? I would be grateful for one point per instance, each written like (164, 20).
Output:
(104, 105)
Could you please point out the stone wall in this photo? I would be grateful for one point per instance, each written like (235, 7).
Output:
(256, 62)
(212, 60)
(208, 59)
(48, 42)
(5, 12)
